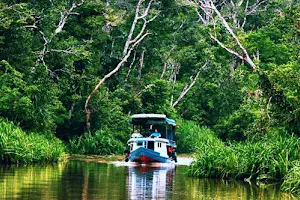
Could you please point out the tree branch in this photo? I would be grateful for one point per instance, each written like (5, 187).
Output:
(67, 51)
(187, 88)
(166, 62)
(59, 28)
(126, 54)
(130, 66)
(42, 53)
(65, 16)
(245, 56)
(136, 18)
(254, 7)
(141, 65)
(224, 47)
(245, 14)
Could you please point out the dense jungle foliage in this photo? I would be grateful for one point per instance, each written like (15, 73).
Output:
(231, 67)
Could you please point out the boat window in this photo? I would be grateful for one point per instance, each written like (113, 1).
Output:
(151, 145)
(140, 144)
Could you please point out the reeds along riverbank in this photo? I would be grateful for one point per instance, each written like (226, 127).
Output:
(99, 143)
(292, 179)
(270, 158)
(17, 146)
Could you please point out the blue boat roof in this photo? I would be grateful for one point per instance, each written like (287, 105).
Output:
(171, 121)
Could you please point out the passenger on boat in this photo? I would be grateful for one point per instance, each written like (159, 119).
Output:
(171, 151)
(136, 134)
(155, 134)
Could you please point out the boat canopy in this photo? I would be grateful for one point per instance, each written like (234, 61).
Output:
(141, 119)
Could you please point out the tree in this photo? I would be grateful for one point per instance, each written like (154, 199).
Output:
(130, 44)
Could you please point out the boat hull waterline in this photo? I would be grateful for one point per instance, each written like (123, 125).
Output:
(143, 155)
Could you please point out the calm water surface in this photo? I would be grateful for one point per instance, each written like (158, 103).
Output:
(93, 180)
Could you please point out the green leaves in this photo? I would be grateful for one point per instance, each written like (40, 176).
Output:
(100, 143)
(262, 159)
(35, 107)
(16, 146)
(227, 96)
(156, 98)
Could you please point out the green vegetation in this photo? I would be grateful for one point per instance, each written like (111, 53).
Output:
(16, 146)
(292, 179)
(242, 87)
(265, 159)
(190, 137)
(100, 143)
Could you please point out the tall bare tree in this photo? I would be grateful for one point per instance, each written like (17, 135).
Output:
(65, 15)
(130, 44)
(209, 9)
(188, 87)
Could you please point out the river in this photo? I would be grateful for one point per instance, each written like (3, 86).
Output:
(103, 179)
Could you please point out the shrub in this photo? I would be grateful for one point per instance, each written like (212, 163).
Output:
(16, 146)
(292, 179)
(101, 143)
(191, 137)
(266, 159)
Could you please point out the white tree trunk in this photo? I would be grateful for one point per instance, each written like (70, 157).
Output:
(126, 52)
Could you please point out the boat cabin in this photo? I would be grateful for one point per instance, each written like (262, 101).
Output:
(153, 135)
(146, 124)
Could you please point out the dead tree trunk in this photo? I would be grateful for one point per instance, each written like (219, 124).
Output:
(166, 63)
(128, 48)
(130, 66)
(245, 55)
(141, 65)
(187, 88)
(207, 6)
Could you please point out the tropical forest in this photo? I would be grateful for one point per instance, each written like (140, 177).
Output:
(72, 72)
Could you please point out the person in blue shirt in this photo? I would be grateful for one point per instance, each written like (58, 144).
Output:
(155, 134)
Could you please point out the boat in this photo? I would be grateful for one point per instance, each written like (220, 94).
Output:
(153, 139)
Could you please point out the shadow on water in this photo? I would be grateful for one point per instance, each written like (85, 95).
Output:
(96, 180)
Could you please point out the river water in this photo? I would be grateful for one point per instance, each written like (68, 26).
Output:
(90, 179)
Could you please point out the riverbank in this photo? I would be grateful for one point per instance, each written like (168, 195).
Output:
(17, 146)
(97, 158)
(264, 159)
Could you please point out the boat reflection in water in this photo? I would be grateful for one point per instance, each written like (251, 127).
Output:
(146, 182)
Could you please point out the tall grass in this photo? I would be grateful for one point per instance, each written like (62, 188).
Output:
(189, 136)
(292, 179)
(100, 143)
(265, 159)
(16, 146)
